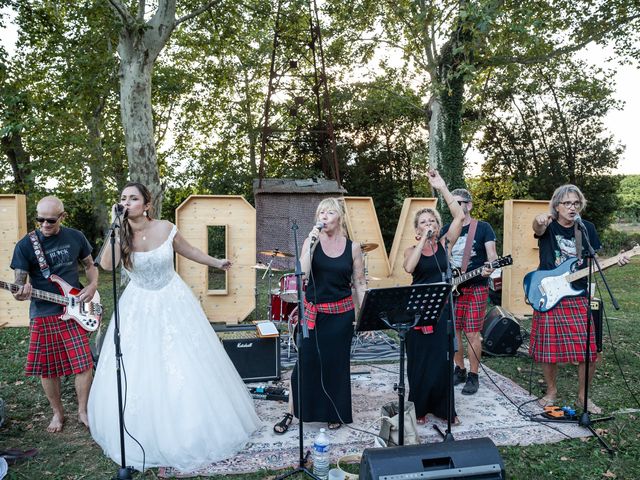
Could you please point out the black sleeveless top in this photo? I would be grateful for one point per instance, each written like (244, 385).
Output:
(429, 268)
(330, 278)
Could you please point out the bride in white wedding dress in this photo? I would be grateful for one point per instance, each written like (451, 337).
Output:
(184, 400)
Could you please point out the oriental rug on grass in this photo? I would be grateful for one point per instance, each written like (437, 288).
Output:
(492, 412)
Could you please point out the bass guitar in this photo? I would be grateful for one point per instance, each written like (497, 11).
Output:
(86, 314)
(543, 289)
(460, 278)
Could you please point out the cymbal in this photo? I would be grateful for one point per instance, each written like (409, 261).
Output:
(276, 253)
(367, 247)
(264, 266)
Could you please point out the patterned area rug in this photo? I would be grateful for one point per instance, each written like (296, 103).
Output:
(492, 412)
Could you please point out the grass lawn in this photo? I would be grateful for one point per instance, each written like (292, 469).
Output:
(73, 455)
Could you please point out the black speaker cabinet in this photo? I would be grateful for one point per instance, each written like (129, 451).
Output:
(501, 333)
(476, 459)
(256, 359)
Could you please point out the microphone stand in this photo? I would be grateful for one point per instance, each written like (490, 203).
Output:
(124, 472)
(300, 334)
(585, 419)
(447, 436)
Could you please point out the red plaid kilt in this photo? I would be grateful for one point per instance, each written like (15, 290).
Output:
(57, 348)
(558, 336)
(470, 308)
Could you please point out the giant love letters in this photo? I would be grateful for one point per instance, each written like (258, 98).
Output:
(236, 301)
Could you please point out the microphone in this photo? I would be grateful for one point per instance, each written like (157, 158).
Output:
(314, 238)
(120, 209)
(429, 235)
(579, 222)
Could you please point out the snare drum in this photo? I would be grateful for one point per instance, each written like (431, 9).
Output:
(288, 288)
(280, 310)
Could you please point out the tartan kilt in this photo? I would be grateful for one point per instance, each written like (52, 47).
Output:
(57, 348)
(470, 308)
(558, 336)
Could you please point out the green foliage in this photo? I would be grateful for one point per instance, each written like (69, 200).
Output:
(548, 131)
(629, 195)
(613, 241)
(382, 146)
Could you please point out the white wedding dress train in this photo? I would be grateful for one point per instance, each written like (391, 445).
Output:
(184, 400)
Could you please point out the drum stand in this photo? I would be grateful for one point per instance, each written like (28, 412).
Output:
(269, 274)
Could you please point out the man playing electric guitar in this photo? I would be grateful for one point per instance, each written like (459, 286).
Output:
(57, 347)
(559, 334)
(470, 305)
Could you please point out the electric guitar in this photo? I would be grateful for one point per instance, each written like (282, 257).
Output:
(86, 314)
(543, 289)
(460, 278)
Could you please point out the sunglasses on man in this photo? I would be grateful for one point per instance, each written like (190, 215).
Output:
(50, 221)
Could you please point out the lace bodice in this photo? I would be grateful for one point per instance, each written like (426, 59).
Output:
(154, 269)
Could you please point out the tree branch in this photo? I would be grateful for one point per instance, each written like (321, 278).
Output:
(120, 9)
(141, 5)
(504, 60)
(195, 13)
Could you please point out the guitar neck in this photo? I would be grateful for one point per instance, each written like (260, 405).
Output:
(39, 294)
(467, 276)
(604, 264)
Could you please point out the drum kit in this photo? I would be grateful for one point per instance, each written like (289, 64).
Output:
(283, 299)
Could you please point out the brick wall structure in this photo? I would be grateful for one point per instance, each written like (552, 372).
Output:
(281, 202)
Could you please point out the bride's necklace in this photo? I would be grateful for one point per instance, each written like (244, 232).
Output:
(142, 232)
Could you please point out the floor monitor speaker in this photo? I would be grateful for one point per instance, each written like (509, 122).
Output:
(476, 459)
(501, 334)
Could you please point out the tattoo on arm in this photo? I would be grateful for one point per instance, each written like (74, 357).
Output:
(87, 262)
(20, 276)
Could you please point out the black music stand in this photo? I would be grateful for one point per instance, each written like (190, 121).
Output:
(401, 309)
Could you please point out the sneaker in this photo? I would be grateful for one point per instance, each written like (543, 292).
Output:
(459, 375)
(472, 384)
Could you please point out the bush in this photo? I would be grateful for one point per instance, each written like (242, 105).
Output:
(614, 240)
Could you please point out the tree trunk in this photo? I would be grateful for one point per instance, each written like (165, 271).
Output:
(435, 132)
(137, 116)
(20, 162)
(100, 209)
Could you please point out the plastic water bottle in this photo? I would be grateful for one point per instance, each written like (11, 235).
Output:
(321, 455)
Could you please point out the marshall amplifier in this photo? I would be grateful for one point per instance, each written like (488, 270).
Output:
(256, 359)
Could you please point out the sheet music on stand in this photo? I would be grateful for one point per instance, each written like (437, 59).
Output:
(409, 306)
(402, 308)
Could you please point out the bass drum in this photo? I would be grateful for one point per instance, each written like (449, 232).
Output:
(280, 310)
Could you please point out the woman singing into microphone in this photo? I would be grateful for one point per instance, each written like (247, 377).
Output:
(331, 264)
(427, 349)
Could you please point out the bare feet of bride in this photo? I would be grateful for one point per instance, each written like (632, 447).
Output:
(83, 418)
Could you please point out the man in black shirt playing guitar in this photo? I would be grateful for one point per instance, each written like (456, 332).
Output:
(475, 247)
(57, 347)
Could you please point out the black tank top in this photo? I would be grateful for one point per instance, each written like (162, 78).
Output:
(330, 278)
(429, 268)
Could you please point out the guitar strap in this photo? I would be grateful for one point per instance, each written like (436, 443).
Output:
(467, 246)
(39, 251)
(578, 235)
